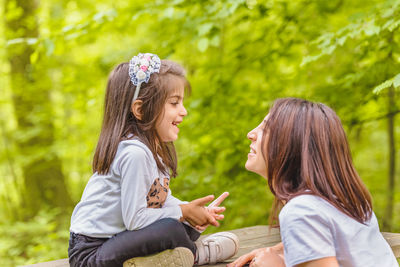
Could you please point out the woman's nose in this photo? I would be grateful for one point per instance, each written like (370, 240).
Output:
(251, 135)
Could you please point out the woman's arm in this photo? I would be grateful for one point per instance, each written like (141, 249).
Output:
(324, 262)
(273, 257)
(270, 256)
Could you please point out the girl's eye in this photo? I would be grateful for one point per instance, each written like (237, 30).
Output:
(175, 103)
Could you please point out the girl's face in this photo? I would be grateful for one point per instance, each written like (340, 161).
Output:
(255, 160)
(174, 111)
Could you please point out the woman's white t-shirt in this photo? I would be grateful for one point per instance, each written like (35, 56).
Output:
(312, 228)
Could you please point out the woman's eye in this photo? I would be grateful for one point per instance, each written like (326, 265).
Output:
(175, 103)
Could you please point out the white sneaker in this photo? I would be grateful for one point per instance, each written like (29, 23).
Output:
(216, 248)
(177, 257)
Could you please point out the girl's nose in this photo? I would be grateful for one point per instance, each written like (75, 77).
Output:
(183, 111)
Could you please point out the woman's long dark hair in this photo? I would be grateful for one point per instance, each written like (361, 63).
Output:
(119, 122)
(306, 152)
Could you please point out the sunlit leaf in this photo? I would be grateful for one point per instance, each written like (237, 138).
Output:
(202, 45)
(205, 28)
(371, 29)
(168, 12)
(382, 86)
(34, 57)
(396, 80)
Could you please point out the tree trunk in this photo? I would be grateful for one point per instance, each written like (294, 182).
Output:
(387, 220)
(43, 178)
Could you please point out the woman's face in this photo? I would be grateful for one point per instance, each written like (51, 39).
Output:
(255, 160)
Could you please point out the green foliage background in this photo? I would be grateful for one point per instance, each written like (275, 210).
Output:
(240, 55)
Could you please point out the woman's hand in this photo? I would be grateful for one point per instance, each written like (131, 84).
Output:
(196, 213)
(266, 257)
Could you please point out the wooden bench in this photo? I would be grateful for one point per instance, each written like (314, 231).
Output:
(250, 238)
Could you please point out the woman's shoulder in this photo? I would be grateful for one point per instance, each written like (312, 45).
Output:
(305, 204)
(316, 208)
(307, 200)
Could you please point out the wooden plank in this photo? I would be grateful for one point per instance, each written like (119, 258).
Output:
(57, 263)
(250, 238)
(394, 241)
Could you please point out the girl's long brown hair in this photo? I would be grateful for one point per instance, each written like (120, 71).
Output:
(306, 152)
(119, 122)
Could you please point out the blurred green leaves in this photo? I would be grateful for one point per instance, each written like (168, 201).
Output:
(38, 240)
(239, 55)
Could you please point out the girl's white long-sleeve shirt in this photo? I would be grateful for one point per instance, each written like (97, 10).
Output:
(131, 196)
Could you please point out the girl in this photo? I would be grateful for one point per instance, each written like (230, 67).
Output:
(326, 216)
(127, 209)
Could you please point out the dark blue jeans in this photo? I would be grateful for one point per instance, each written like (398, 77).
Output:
(85, 251)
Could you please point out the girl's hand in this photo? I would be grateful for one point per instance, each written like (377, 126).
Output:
(196, 213)
(266, 257)
(215, 212)
(219, 200)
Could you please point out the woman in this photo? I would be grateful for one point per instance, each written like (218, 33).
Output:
(321, 205)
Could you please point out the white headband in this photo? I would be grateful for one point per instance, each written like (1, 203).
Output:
(140, 69)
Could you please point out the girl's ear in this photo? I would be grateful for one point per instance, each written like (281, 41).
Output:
(136, 109)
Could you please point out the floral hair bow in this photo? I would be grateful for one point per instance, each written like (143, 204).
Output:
(140, 69)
